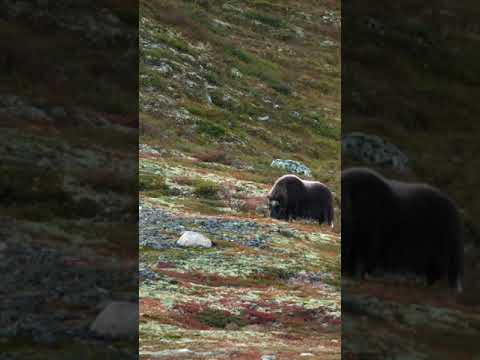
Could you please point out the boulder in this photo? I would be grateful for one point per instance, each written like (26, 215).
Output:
(373, 150)
(118, 320)
(194, 239)
(291, 166)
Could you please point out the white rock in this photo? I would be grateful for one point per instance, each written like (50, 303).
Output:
(194, 239)
(268, 357)
(117, 320)
(236, 73)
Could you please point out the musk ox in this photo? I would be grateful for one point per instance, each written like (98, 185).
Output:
(292, 197)
(399, 227)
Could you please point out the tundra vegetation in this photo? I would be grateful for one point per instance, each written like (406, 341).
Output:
(225, 88)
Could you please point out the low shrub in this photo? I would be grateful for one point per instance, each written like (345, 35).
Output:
(206, 189)
(153, 183)
(219, 318)
(214, 156)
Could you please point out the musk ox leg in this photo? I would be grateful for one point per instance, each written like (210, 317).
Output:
(455, 279)
(290, 214)
(432, 273)
(456, 264)
(459, 286)
(328, 215)
(359, 272)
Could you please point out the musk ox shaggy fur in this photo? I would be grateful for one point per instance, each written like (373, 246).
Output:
(399, 227)
(292, 197)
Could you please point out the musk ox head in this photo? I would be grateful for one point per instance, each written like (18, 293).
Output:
(276, 209)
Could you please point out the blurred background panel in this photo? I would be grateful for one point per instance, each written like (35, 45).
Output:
(410, 84)
(68, 179)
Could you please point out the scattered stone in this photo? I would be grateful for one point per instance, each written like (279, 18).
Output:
(194, 239)
(327, 43)
(299, 32)
(146, 275)
(159, 229)
(118, 320)
(167, 353)
(295, 114)
(163, 68)
(146, 149)
(268, 357)
(292, 166)
(236, 73)
(222, 23)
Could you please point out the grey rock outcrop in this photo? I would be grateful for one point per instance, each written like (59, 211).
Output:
(374, 150)
(291, 166)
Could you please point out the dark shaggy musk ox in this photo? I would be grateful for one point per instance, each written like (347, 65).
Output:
(292, 197)
(399, 227)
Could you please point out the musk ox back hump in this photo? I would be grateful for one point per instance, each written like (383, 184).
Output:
(285, 197)
(319, 202)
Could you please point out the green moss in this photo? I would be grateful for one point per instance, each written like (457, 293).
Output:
(266, 19)
(240, 54)
(262, 69)
(219, 319)
(173, 41)
(155, 183)
(203, 110)
(276, 273)
(212, 129)
(269, 5)
(214, 78)
(327, 129)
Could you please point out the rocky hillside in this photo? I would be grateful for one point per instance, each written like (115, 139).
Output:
(225, 88)
(256, 79)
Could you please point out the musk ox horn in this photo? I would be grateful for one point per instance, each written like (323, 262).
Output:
(274, 202)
